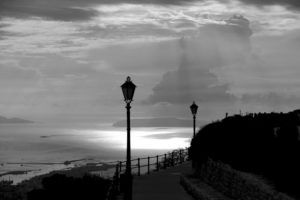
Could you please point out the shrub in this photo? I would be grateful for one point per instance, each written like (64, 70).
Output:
(59, 186)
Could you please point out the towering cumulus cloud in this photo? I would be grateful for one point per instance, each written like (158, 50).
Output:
(215, 45)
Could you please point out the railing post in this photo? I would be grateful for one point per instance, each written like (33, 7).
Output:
(120, 167)
(180, 156)
(187, 152)
(148, 165)
(172, 158)
(117, 175)
(157, 164)
(139, 167)
(165, 161)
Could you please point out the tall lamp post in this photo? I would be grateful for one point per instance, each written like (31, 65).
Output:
(128, 90)
(194, 109)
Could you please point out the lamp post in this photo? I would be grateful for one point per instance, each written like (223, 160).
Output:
(128, 90)
(194, 109)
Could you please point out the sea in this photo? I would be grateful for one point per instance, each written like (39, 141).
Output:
(28, 150)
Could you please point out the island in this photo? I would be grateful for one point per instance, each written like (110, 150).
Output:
(156, 122)
(15, 120)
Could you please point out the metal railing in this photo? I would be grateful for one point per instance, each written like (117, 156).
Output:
(145, 165)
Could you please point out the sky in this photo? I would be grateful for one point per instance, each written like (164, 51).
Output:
(64, 60)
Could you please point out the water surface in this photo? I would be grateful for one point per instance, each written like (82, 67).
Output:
(39, 148)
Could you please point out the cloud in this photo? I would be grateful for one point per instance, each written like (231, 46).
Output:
(12, 75)
(4, 34)
(292, 4)
(66, 10)
(272, 99)
(78, 10)
(271, 68)
(55, 86)
(53, 10)
(215, 46)
(17, 85)
(213, 64)
(153, 57)
(184, 86)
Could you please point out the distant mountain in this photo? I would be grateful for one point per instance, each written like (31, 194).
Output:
(4, 120)
(157, 122)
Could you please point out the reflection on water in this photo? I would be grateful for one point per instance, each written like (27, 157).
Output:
(32, 149)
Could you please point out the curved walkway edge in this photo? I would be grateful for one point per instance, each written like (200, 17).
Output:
(162, 185)
(200, 190)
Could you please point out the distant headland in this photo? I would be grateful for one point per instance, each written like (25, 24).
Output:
(15, 120)
(156, 122)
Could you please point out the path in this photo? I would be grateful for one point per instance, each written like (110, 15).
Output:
(162, 185)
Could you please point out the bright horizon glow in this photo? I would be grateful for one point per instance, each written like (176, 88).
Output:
(140, 138)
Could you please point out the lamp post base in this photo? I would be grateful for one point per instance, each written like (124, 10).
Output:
(128, 192)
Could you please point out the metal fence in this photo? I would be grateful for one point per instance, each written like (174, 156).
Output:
(145, 165)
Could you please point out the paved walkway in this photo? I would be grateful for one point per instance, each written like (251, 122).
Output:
(162, 185)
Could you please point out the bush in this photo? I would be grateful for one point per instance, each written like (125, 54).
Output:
(59, 187)
(8, 191)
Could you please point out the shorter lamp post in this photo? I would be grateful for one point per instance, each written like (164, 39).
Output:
(194, 109)
(128, 90)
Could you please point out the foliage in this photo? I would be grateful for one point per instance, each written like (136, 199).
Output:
(8, 191)
(60, 186)
(57, 186)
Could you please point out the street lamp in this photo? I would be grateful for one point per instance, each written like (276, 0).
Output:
(128, 90)
(194, 109)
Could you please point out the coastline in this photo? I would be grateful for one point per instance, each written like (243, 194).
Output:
(69, 168)
(22, 189)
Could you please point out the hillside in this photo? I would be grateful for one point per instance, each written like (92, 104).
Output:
(266, 144)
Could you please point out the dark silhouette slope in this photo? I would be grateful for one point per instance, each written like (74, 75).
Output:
(266, 144)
